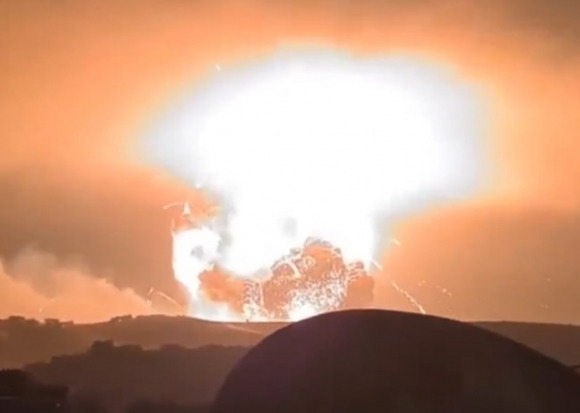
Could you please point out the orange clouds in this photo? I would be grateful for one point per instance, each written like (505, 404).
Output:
(488, 262)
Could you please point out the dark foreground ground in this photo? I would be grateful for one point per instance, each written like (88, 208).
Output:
(176, 364)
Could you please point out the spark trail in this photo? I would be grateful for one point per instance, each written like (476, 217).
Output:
(412, 300)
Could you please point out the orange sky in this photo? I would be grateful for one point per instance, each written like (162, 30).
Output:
(80, 83)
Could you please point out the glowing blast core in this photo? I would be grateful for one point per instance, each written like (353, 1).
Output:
(310, 147)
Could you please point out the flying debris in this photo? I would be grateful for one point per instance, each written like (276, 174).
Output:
(190, 218)
(185, 205)
(165, 299)
(185, 219)
(412, 300)
(48, 304)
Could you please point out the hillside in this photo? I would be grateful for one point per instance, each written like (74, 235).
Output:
(390, 361)
(559, 341)
(120, 376)
(24, 341)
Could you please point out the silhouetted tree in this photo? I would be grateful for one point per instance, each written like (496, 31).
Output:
(102, 347)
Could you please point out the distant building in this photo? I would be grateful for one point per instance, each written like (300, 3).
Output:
(21, 393)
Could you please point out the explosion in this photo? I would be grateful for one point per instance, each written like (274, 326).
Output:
(305, 157)
(308, 280)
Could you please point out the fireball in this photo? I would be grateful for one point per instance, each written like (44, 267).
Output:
(318, 146)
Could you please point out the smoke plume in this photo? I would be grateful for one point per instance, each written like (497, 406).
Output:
(38, 285)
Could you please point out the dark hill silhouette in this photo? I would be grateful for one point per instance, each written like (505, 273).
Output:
(385, 361)
(120, 376)
(561, 342)
(24, 341)
(20, 392)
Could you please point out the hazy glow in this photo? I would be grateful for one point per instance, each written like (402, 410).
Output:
(316, 146)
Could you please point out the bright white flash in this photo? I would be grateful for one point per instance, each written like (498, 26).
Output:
(194, 251)
(319, 147)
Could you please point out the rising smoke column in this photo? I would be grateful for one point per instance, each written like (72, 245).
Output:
(313, 148)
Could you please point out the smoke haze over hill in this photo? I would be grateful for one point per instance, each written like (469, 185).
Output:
(36, 285)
